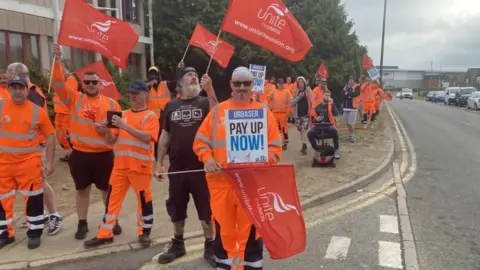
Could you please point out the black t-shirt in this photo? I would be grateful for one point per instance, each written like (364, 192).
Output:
(181, 119)
(302, 106)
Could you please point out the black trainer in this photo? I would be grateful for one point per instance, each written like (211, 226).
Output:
(54, 224)
(144, 240)
(82, 230)
(304, 149)
(33, 242)
(6, 241)
(208, 253)
(95, 242)
(117, 230)
(175, 251)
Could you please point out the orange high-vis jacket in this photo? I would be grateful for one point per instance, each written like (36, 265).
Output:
(130, 153)
(83, 134)
(367, 93)
(317, 98)
(24, 124)
(279, 101)
(269, 89)
(210, 141)
(59, 105)
(4, 92)
(157, 99)
(44, 106)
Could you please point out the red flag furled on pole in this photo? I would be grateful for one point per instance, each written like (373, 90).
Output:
(269, 197)
(322, 71)
(220, 50)
(366, 62)
(85, 27)
(107, 87)
(268, 24)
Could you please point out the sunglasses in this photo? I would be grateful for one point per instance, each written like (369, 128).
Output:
(245, 84)
(87, 82)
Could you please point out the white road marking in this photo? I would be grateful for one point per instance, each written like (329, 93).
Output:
(389, 255)
(465, 123)
(338, 248)
(388, 224)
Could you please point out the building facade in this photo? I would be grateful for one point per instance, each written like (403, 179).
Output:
(27, 30)
(395, 78)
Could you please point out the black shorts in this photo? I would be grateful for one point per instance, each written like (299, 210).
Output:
(91, 168)
(179, 190)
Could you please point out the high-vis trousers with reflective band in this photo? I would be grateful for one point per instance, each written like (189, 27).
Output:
(120, 182)
(282, 120)
(232, 227)
(25, 178)
(62, 122)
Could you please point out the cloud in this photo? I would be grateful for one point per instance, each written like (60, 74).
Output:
(444, 32)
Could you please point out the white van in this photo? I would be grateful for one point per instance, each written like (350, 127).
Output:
(449, 95)
(406, 93)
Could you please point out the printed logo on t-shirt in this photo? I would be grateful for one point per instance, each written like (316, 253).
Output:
(186, 114)
(197, 113)
(176, 115)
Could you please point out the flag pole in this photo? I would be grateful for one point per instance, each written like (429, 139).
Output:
(211, 57)
(185, 53)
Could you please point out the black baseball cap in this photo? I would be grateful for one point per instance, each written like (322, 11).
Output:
(17, 80)
(138, 86)
(184, 71)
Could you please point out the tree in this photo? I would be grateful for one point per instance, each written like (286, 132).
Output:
(325, 22)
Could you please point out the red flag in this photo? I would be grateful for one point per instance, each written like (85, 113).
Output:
(268, 24)
(269, 197)
(205, 40)
(388, 96)
(366, 62)
(85, 27)
(107, 87)
(322, 71)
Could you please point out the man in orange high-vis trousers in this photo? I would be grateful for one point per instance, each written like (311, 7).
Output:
(379, 96)
(36, 96)
(133, 139)
(91, 160)
(235, 235)
(62, 117)
(20, 160)
(367, 95)
(279, 103)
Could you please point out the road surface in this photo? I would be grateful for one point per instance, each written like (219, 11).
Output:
(361, 231)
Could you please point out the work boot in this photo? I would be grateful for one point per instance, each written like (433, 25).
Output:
(6, 241)
(33, 242)
(144, 240)
(208, 253)
(95, 242)
(117, 230)
(304, 149)
(175, 251)
(82, 230)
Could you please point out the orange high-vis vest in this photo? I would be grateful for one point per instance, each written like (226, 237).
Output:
(330, 115)
(157, 99)
(368, 93)
(269, 88)
(131, 153)
(59, 105)
(317, 98)
(4, 92)
(21, 129)
(83, 134)
(279, 101)
(210, 141)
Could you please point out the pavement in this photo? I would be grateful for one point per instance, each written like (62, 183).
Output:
(63, 247)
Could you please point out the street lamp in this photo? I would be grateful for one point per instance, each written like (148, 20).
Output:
(383, 42)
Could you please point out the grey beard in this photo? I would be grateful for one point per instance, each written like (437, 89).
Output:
(191, 91)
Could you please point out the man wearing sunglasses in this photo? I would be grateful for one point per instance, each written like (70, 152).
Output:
(91, 160)
(182, 118)
(235, 235)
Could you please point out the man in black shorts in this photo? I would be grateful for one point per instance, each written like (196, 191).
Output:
(181, 119)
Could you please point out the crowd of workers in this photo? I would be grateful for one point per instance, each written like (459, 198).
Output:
(115, 149)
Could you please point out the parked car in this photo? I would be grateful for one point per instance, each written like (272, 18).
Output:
(398, 95)
(462, 96)
(429, 95)
(406, 93)
(437, 96)
(473, 101)
(449, 95)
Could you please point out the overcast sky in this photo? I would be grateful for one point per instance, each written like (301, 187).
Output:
(445, 32)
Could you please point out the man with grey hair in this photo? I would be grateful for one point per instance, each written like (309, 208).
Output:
(235, 235)
(181, 119)
(36, 96)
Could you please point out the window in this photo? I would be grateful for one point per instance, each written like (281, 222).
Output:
(131, 10)
(16, 47)
(113, 4)
(135, 64)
